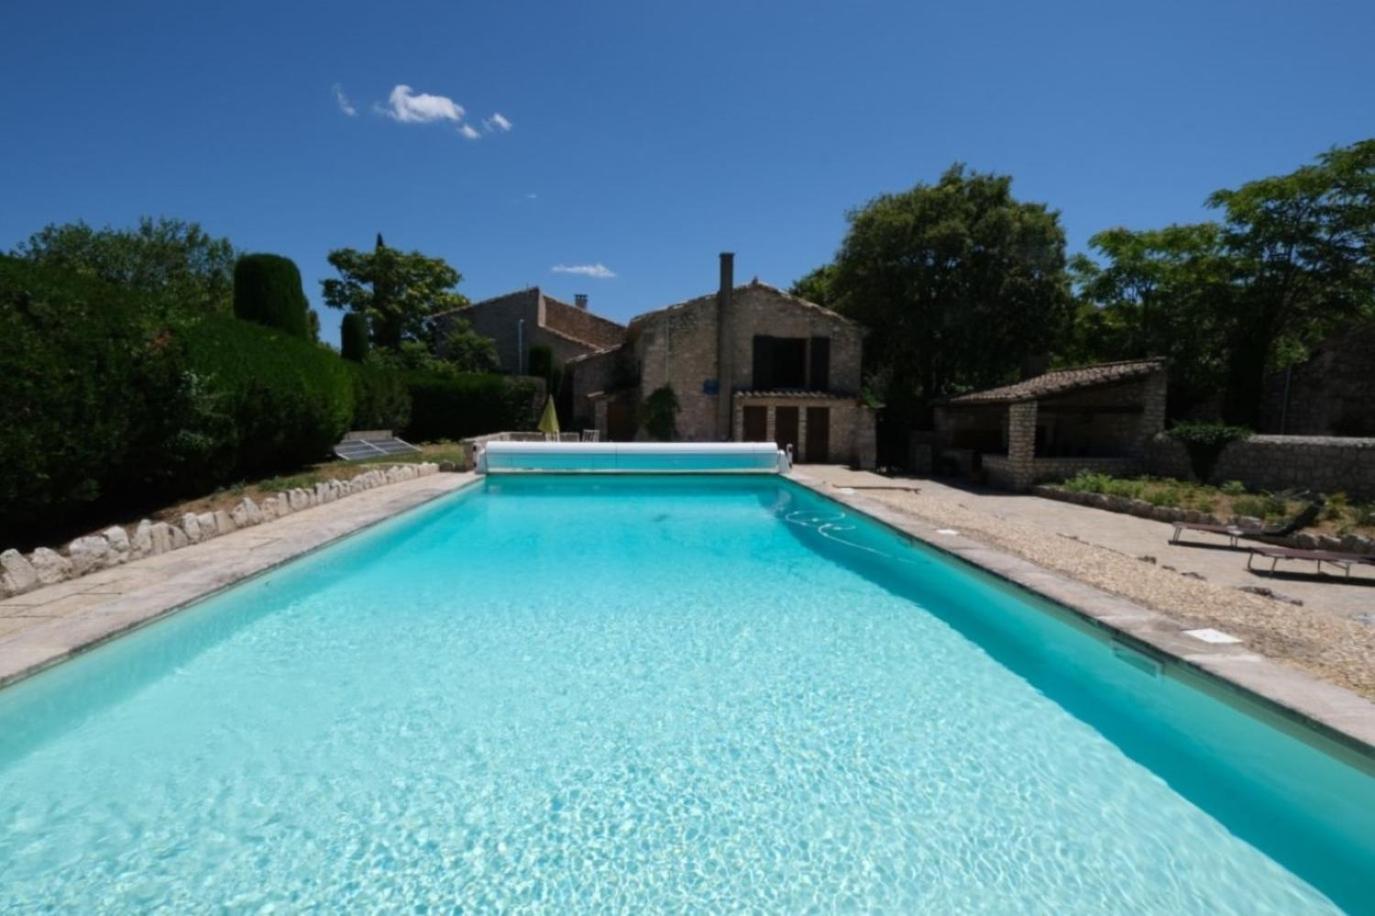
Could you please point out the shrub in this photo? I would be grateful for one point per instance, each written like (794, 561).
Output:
(660, 413)
(1336, 507)
(458, 406)
(99, 403)
(381, 399)
(1233, 488)
(1163, 496)
(353, 337)
(267, 291)
(288, 400)
(1205, 442)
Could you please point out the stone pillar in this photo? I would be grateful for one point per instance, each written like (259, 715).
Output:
(1021, 443)
(725, 341)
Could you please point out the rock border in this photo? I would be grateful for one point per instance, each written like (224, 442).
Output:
(115, 545)
(1306, 540)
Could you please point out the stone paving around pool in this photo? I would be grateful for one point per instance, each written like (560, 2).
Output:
(41, 627)
(1198, 587)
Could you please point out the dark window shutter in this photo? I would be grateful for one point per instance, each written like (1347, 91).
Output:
(821, 364)
(763, 362)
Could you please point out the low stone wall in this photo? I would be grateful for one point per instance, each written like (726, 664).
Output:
(1308, 540)
(116, 545)
(1326, 464)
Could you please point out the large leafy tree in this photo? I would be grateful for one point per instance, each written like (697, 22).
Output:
(1302, 247)
(958, 281)
(166, 264)
(398, 291)
(1158, 292)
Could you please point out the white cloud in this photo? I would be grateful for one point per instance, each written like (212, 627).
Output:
(531, 196)
(497, 121)
(595, 271)
(344, 104)
(469, 132)
(411, 107)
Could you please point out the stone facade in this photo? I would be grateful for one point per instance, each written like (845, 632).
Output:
(684, 347)
(1332, 394)
(1326, 464)
(1050, 427)
(518, 321)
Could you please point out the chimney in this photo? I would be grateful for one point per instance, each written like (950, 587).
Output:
(725, 365)
(580, 300)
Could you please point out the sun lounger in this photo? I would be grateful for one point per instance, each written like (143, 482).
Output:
(1343, 560)
(1302, 519)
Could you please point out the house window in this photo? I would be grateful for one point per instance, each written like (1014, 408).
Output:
(819, 362)
(780, 362)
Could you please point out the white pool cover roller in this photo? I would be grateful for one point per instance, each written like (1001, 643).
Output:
(632, 457)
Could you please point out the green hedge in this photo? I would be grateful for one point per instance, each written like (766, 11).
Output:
(267, 291)
(287, 400)
(381, 399)
(457, 406)
(95, 396)
(353, 337)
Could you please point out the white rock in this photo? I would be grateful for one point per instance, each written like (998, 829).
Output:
(206, 520)
(141, 544)
(246, 513)
(16, 573)
(87, 553)
(322, 494)
(179, 538)
(162, 538)
(50, 565)
(118, 539)
(192, 526)
(299, 500)
(223, 522)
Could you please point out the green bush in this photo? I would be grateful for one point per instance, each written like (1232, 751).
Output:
(458, 406)
(1233, 488)
(1205, 442)
(287, 400)
(100, 405)
(267, 291)
(660, 413)
(381, 399)
(353, 337)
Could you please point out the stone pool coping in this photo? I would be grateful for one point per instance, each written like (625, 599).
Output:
(74, 616)
(1331, 712)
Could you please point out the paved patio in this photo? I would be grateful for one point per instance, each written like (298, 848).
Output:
(47, 625)
(1197, 586)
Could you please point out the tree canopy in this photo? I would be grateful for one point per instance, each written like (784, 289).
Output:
(167, 264)
(959, 280)
(398, 291)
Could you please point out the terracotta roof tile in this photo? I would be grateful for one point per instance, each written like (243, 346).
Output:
(1062, 381)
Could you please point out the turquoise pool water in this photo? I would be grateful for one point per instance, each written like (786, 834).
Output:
(572, 694)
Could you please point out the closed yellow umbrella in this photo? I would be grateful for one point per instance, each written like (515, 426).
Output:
(549, 420)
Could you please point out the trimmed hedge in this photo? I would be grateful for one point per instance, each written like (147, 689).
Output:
(458, 406)
(353, 337)
(287, 400)
(381, 399)
(267, 291)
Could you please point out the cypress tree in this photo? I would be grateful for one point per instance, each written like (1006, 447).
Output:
(353, 336)
(267, 291)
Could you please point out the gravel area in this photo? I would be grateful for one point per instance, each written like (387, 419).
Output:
(1336, 649)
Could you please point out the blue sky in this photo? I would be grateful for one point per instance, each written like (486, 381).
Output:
(648, 136)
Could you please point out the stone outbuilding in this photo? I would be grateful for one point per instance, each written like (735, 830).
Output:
(746, 363)
(529, 318)
(1098, 418)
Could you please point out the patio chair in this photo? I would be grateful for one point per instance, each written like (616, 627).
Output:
(1301, 519)
(1343, 561)
(591, 435)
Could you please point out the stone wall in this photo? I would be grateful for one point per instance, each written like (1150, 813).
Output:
(566, 330)
(1327, 464)
(581, 324)
(852, 436)
(1333, 393)
(115, 544)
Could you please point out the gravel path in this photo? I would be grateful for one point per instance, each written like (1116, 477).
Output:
(1337, 649)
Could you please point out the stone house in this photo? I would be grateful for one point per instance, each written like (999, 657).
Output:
(1099, 418)
(746, 363)
(528, 318)
(1332, 393)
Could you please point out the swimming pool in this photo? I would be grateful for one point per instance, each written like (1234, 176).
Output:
(685, 693)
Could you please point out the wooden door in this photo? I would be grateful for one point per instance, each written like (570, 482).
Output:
(818, 435)
(756, 424)
(620, 419)
(785, 423)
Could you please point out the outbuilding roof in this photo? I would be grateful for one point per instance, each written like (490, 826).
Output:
(1062, 381)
